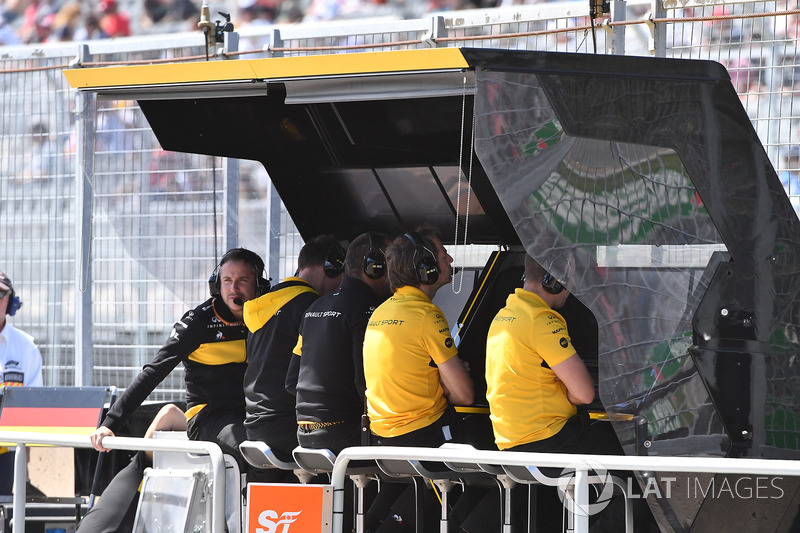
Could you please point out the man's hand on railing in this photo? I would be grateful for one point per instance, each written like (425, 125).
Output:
(97, 438)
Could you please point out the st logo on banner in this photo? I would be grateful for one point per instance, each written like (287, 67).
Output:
(289, 508)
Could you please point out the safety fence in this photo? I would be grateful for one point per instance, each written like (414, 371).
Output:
(109, 239)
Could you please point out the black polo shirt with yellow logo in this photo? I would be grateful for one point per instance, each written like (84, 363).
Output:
(210, 343)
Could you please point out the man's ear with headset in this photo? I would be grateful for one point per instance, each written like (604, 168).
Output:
(426, 266)
(366, 255)
(412, 259)
(375, 257)
(551, 284)
(540, 280)
(321, 263)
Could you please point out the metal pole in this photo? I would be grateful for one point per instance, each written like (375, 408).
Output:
(659, 30)
(274, 234)
(85, 110)
(619, 13)
(231, 166)
(231, 202)
(580, 506)
(20, 486)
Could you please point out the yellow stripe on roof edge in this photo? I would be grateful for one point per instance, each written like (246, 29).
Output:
(267, 69)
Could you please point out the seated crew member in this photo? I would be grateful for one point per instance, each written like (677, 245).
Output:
(535, 381)
(327, 370)
(273, 321)
(411, 364)
(534, 377)
(413, 373)
(210, 342)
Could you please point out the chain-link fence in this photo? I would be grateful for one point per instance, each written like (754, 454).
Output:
(109, 239)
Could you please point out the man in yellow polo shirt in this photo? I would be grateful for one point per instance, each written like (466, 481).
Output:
(535, 380)
(534, 377)
(411, 363)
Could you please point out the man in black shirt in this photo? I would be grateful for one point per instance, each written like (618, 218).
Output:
(327, 369)
(210, 342)
(328, 366)
(273, 321)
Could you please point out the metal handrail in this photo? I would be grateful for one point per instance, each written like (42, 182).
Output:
(582, 464)
(22, 439)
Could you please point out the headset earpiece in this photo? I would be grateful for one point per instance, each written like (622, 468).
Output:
(14, 303)
(334, 261)
(425, 265)
(374, 260)
(214, 283)
(551, 284)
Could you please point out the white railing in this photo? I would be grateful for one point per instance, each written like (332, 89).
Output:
(582, 464)
(23, 439)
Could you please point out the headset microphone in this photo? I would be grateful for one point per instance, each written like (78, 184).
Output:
(238, 301)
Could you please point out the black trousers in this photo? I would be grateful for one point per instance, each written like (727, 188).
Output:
(335, 438)
(476, 509)
(223, 426)
(115, 511)
(280, 434)
(444, 429)
(582, 436)
(579, 435)
(7, 471)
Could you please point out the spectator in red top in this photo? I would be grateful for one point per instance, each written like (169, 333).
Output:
(113, 23)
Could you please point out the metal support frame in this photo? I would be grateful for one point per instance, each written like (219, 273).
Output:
(86, 118)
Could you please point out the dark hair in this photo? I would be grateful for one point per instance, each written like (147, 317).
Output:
(246, 256)
(402, 257)
(359, 248)
(315, 251)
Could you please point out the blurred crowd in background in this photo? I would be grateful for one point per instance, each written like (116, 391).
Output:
(39, 21)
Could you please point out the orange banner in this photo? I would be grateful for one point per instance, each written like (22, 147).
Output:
(289, 508)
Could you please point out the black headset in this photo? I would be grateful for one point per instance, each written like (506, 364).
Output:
(551, 284)
(333, 264)
(251, 258)
(425, 265)
(374, 260)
